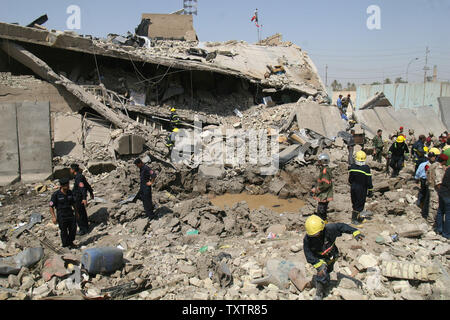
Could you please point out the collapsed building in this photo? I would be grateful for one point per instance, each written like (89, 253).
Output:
(102, 102)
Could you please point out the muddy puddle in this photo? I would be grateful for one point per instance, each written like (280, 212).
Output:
(268, 201)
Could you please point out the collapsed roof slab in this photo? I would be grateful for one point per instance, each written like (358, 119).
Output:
(246, 60)
(325, 120)
(422, 120)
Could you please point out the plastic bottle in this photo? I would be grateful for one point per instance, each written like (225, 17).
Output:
(102, 260)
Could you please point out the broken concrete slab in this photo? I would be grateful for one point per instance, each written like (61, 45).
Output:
(211, 171)
(129, 144)
(325, 120)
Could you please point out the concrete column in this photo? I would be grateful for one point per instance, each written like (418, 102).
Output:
(9, 150)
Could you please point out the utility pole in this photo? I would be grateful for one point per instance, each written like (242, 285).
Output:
(326, 75)
(426, 65)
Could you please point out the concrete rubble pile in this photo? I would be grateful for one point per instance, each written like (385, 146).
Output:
(195, 249)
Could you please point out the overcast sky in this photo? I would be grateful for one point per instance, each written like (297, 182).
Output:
(334, 33)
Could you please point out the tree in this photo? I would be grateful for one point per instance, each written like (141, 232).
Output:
(375, 83)
(387, 81)
(400, 80)
(336, 85)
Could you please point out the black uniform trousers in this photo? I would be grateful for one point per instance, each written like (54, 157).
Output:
(145, 194)
(424, 198)
(358, 194)
(68, 227)
(82, 221)
(397, 165)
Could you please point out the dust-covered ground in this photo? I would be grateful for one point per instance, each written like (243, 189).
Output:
(168, 262)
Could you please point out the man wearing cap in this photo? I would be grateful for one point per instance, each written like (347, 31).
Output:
(148, 178)
(64, 202)
(80, 190)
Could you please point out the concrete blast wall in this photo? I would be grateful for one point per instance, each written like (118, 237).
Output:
(26, 142)
(9, 151)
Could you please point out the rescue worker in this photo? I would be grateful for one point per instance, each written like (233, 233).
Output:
(64, 202)
(360, 179)
(80, 190)
(345, 102)
(431, 141)
(423, 199)
(442, 226)
(147, 179)
(323, 192)
(411, 138)
(174, 119)
(170, 140)
(397, 155)
(378, 146)
(320, 249)
(339, 104)
(418, 152)
(435, 175)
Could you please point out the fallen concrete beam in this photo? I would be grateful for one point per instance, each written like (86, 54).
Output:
(410, 271)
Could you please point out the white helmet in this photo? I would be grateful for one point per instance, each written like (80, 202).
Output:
(324, 158)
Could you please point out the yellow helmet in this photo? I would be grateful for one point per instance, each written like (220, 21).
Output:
(175, 130)
(434, 150)
(400, 139)
(314, 225)
(425, 149)
(173, 110)
(361, 156)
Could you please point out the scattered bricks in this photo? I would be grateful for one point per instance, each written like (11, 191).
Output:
(347, 294)
(195, 282)
(367, 261)
(399, 286)
(299, 279)
(4, 295)
(410, 231)
(201, 296)
(13, 281)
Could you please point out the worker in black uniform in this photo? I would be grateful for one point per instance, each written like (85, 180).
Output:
(320, 249)
(398, 153)
(360, 179)
(64, 202)
(80, 189)
(170, 141)
(148, 177)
